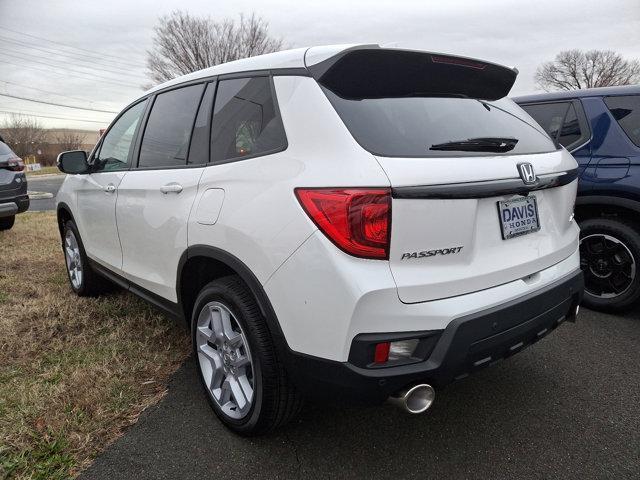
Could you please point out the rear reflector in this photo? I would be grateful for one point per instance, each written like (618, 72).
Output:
(357, 220)
(381, 354)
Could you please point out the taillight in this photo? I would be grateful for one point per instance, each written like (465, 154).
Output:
(357, 220)
(14, 164)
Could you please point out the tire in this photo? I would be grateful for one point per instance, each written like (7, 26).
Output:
(7, 222)
(610, 258)
(88, 283)
(273, 400)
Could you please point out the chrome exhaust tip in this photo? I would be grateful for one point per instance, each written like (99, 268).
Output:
(417, 399)
(573, 314)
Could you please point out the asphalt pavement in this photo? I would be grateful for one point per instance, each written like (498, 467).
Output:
(567, 407)
(44, 183)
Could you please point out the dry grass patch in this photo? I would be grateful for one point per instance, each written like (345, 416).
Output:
(74, 372)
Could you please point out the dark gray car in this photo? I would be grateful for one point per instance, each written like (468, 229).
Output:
(13, 187)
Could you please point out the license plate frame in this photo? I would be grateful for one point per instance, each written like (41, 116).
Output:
(518, 222)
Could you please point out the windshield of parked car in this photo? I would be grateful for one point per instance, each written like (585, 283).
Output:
(423, 126)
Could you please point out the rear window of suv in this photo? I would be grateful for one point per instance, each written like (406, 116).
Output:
(626, 111)
(413, 126)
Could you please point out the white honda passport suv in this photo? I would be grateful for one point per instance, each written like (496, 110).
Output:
(348, 222)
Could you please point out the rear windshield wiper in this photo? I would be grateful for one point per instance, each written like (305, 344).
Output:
(480, 144)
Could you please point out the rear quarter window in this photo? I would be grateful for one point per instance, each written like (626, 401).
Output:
(246, 122)
(626, 111)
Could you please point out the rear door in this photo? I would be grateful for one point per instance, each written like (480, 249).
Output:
(449, 236)
(155, 198)
(481, 194)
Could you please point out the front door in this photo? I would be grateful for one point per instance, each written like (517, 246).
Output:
(97, 192)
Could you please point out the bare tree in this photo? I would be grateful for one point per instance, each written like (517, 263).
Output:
(23, 134)
(575, 69)
(183, 43)
(69, 140)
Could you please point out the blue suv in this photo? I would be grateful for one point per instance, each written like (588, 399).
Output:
(601, 128)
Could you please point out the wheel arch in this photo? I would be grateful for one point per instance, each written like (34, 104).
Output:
(201, 264)
(591, 206)
(63, 214)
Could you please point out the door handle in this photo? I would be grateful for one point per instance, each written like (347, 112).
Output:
(171, 188)
(110, 188)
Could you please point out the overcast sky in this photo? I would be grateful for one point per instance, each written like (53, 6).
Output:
(515, 33)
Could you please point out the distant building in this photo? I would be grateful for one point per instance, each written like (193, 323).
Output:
(57, 140)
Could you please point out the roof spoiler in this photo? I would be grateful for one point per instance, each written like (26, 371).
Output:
(373, 72)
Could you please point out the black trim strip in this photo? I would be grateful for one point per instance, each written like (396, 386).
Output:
(486, 189)
(168, 307)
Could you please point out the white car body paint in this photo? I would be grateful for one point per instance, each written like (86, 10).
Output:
(322, 296)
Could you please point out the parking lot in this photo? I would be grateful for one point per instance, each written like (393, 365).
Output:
(48, 184)
(567, 407)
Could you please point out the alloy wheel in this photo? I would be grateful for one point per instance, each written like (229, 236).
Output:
(73, 259)
(608, 265)
(225, 360)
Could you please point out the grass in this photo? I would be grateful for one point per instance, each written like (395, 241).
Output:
(74, 372)
(43, 171)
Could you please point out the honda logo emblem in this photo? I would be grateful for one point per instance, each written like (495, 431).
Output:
(527, 173)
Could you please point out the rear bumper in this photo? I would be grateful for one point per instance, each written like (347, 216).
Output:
(10, 207)
(467, 344)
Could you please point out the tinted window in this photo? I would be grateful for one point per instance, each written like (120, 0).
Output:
(166, 137)
(414, 126)
(117, 144)
(548, 115)
(245, 120)
(570, 132)
(199, 148)
(626, 111)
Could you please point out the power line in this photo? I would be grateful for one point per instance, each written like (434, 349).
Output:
(94, 60)
(67, 69)
(67, 45)
(58, 118)
(55, 104)
(47, 91)
(93, 65)
(98, 79)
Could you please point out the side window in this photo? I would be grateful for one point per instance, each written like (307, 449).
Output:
(548, 115)
(117, 144)
(199, 149)
(165, 142)
(245, 120)
(626, 111)
(570, 132)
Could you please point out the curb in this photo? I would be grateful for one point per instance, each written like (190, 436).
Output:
(39, 195)
(44, 175)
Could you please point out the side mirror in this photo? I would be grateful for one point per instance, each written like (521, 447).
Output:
(73, 162)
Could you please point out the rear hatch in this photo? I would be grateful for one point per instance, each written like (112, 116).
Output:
(481, 195)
